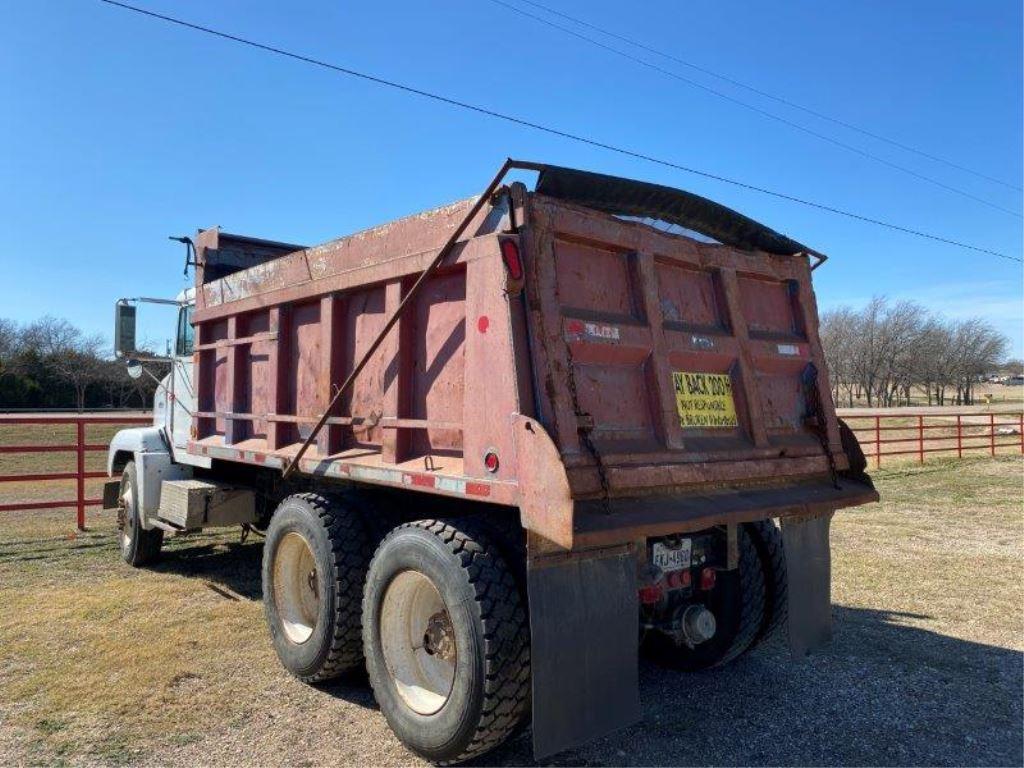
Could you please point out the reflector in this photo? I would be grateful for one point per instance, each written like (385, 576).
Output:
(510, 255)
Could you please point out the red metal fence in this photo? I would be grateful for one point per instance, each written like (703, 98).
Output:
(880, 435)
(80, 447)
(917, 434)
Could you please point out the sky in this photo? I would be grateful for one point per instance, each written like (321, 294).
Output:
(117, 131)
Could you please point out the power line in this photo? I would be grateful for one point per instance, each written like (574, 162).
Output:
(546, 129)
(773, 97)
(758, 110)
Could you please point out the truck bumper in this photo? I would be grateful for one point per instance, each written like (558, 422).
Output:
(631, 519)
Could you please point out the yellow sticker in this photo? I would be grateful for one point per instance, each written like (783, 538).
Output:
(704, 399)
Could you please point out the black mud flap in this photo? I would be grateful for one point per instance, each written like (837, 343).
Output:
(111, 494)
(584, 627)
(809, 566)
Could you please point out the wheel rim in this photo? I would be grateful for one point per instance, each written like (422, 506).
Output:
(128, 524)
(418, 642)
(296, 587)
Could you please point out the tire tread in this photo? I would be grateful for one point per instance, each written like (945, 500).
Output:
(349, 547)
(505, 625)
(768, 540)
(752, 606)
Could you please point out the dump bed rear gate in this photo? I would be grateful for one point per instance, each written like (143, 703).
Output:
(692, 361)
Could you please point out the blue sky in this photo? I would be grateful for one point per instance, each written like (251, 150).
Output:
(117, 131)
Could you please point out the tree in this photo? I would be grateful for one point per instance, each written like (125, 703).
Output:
(886, 350)
(72, 355)
(50, 363)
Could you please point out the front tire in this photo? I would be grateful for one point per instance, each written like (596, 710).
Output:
(314, 565)
(139, 547)
(446, 639)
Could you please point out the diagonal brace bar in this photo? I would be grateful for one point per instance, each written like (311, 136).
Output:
(406, 301)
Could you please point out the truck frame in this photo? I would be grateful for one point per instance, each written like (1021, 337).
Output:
(500, 448)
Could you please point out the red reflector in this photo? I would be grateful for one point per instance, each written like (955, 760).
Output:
(491, 461)
(510, 255)
(650, 594)
(707, 579)
(678, 579)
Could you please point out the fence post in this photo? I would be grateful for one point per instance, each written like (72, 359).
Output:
(920, 439)
(878, 442)
(1020, 431)
(80, 429)
(992, 433)
(959, 438)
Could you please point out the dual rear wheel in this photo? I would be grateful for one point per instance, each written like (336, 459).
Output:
(437, 616)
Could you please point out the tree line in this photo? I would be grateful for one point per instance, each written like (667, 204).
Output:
(884, 351)
(880, 353)
(49, 363)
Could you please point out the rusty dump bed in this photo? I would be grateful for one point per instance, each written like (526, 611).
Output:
(568, 356)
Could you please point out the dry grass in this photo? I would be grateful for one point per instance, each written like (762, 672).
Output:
(102, 664)
(984, 394)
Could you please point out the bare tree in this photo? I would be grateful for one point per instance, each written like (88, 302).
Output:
(9, 342)
(839, 329)
(886, 350)
(72, 355)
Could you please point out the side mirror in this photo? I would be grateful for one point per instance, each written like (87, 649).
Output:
(134, 369)
(124, 329)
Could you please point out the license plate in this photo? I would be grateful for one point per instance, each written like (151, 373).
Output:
(670, 559)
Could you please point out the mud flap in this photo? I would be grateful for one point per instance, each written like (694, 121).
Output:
(584, 627)
(809, 565)
(111, 494)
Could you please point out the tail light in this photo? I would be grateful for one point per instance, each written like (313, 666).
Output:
(510, 255)
(707, 579)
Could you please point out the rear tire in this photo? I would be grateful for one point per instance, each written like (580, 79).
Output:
(738, 604)
(139, 547)
(314, 566)
(446, 639)
(768, 541)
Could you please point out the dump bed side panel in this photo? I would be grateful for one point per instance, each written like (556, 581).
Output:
(687, 363)
(277, 339)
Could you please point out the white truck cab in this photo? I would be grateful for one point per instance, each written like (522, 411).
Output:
(141, 461)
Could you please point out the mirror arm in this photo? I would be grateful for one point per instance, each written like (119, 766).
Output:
(150, 300)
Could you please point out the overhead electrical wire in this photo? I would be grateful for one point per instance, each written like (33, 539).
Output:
(774, 97)
(754, 108)
(547, 129)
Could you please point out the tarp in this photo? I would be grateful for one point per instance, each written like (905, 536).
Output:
(625, 197)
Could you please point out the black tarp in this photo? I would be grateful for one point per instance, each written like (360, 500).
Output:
(625, 197)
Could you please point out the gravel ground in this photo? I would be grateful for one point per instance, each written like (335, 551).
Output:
(885, 694)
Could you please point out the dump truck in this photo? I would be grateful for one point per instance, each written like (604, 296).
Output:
(500, 449)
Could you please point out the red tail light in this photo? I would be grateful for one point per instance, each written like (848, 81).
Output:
(707, 579)
(510, 255)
